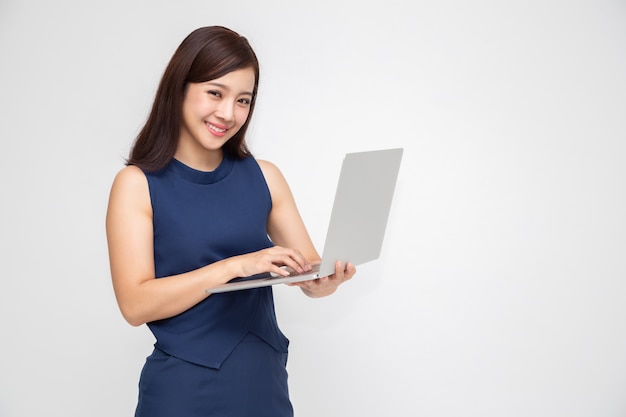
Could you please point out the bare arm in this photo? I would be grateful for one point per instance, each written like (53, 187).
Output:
(143, 298)
(286, 228)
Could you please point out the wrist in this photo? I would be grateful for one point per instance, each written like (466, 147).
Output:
(231, 268)
(222, 271)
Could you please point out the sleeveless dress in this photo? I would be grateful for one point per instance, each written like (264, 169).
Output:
(226, 355)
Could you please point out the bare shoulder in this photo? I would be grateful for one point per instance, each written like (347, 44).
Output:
(276, 182)
(273, 176)
(268, 168)
(130, 187)
(130, 175)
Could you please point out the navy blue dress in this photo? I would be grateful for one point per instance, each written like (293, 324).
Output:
(226, 355)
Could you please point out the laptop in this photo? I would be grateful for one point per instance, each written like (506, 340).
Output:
(358, 219)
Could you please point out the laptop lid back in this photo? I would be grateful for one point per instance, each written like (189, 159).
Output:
(361, 208)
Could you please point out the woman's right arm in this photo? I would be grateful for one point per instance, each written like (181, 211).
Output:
(143, 298)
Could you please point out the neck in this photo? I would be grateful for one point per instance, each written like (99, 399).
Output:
(202, 161)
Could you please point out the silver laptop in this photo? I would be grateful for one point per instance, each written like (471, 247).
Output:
(357, 222)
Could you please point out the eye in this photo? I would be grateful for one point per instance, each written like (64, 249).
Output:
(214, 93)
(244, 101)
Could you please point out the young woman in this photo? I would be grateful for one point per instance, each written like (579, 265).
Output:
(192, 210)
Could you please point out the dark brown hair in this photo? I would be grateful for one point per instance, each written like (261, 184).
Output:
(205, 54)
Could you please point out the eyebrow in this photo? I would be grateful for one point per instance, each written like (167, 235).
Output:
(225, 87)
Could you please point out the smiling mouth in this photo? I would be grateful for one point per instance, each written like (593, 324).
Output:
(216, 129)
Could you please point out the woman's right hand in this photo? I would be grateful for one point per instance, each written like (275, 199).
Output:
(271, 260)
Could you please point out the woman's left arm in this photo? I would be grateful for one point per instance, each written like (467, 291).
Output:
(286, 228)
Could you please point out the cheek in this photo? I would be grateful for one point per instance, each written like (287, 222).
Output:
(190, 109)
(242, 115)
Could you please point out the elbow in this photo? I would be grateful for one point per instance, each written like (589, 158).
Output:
(132, 316)
(132, 308)
(135, 322)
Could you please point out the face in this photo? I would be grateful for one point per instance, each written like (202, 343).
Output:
(213, 112)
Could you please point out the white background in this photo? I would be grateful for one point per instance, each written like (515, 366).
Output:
(502, 285)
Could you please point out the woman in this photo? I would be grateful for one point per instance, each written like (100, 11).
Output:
(192, 210)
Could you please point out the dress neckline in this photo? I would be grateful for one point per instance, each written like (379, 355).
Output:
(202, 177)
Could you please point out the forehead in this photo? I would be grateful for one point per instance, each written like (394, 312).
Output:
(240, 81)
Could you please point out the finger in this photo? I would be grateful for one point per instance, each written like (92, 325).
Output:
(277, 270)
(339, 270)
(344, 272)
(289, 257)
(302, 262)
(349, 271)
(289, 264)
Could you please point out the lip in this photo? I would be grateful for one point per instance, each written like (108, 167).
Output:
(216, 129)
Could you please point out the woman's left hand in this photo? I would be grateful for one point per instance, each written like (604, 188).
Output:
(324, 286)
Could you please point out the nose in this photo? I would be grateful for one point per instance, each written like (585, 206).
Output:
(226, 111)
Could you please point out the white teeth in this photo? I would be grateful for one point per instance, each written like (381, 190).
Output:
(216, 129)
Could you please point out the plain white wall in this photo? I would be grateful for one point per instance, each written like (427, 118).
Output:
(501, 287)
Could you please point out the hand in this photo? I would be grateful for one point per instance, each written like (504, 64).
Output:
(324, 286)
(271, 260)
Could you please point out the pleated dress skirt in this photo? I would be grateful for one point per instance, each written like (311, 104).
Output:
(252, 382)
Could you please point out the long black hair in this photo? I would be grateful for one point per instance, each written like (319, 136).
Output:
(205, 54)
